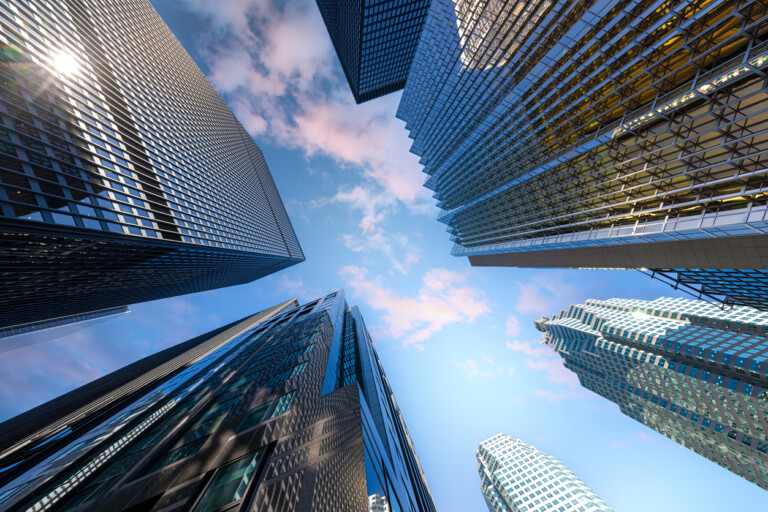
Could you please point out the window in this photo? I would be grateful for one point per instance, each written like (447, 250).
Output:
(266, 411)
(229, 484)
(254, 417)
(281, 405)
(179, 453)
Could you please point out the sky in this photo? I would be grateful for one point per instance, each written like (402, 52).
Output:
(457, 342)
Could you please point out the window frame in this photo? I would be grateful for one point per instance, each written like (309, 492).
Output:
(250, 490)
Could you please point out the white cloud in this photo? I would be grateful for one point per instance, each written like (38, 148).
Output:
(531, 300)
(513, 325)
(472, 369)
(542, 358)
(444, 298)
(289, 284)
(275, 62)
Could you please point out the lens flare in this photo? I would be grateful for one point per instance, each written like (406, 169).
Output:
(65, 63)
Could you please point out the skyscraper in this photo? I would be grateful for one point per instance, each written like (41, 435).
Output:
(516, 477)
(286, 410)
(124, 177)
(37, 332)
(377, 503)
(688, 369)
(375, 41)
(597, 134)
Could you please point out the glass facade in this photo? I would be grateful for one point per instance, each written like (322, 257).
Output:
(595, 134)
(728, 286)
(516, 477)
(688, 369)
(23, 335)
(248, 425)
(375, 41)
(124, 177)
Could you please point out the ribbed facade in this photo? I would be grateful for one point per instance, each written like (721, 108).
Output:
(558, 133)
(124, 177)
(516, 477)
(375, 41)
(690, 370)
(258, 421)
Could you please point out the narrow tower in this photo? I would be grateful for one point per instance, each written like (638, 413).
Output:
(515, 476)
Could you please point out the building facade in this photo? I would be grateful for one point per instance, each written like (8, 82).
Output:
(287, 410)
(375, 41)
(124, 177)
(378, 503)
(516, 477)
(597, 134)
(37, 332)
(688, 369)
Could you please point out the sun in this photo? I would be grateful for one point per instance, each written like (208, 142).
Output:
(65, 63)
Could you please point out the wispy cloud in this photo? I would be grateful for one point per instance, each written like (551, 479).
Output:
(642, 437)
(275, 63)
(35, 374)
(290, 284)
(444, 298)
(513, 326)
(544, 295)
(543, 358)
(485, 368)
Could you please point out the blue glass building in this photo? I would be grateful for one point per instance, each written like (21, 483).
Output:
(124, 177)
(597, 135)
(375, 41)
(288, 409)
(688, 369)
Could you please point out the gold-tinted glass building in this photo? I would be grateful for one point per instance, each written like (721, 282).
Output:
(124, 177)
(596, 133)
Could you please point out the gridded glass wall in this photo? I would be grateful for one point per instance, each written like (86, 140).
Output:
(729, 286)
(109, 131)
(516, 477)
(246, 426)
(375, 41)
(556, 125)
(690, 370)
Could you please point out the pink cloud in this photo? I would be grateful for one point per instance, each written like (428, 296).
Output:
(275, 62)
(543, 358)
(444, 298)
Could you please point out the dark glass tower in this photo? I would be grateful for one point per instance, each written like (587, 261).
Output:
(124, 177)
(286, 410)
(375, 41)
(688, 369)
(598, 134)
(37, 332)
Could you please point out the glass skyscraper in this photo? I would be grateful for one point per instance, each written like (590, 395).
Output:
(289, 409)
(375, 41)
(124, 177)
(597, 134)
(27, 334)
(688, 369)
(516, 477)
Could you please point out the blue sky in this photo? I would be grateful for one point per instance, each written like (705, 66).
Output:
(457, 343)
